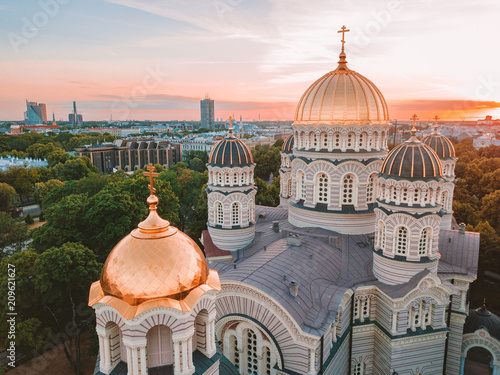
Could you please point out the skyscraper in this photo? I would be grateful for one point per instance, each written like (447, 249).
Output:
(74, 118)
(35, 114)
(207, 112)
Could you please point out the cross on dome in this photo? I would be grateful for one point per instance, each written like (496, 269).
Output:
(343, 31)
(414, 128)
(151, 175)
(436, 118)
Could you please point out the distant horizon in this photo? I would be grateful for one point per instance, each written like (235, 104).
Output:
(155, 60)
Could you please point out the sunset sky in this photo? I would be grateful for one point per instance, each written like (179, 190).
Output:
(155, 59)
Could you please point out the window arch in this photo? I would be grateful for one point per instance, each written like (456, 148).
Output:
(301, 186)
(322, 188)
(348, 192)
(251, 212)
(226, 179)
(289, 188)
(401, 241)
(159, 346)
(444, 199)
(219, 178)
(424, 245)
(404, 195)
(363, 137)
(350, 140)
(381, 235)
(324, 140)
(371, 188)
(417, 195)
(337, 139)
(313, 142)
(219, 214)
(235, 213)
(235, 179)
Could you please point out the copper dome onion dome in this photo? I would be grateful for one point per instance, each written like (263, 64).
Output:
(155, 265)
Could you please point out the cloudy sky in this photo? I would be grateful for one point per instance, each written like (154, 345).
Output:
(155, 59)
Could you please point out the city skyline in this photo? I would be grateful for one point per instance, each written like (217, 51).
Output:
(153, 60)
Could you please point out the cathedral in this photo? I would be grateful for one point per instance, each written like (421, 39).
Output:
(360, 270)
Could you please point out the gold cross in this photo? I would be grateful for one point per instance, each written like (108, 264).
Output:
(230, 124)
(343, 31)
(414, 118)
(151, 175)
(436, 118)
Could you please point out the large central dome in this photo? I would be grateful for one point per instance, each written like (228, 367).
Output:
(344, 97)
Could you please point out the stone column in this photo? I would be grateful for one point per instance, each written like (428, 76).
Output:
(185, 355)
(130, 370)
(135, 362)
(190, 352)
(462, 365)
(312, 362)
(177, 358)
(102, 354)
(496, 370)
(144, 367)
(107, 353)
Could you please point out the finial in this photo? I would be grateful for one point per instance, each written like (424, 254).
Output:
(230, 135)
(436, 118)
(152, 199)
(342, 56)
(414, 127)
(484, 302)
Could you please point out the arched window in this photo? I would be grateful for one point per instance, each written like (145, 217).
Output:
(381, 235)
(337, 140)
(219, 178)
(404, 195)
(424, 245)
(417, 195)
(251, 212)
(266, 360)
(322, 188)
(394, 193)
(313, 142)
(159, 346)
(219, 213)
(235, 214)
(235, 179)
(362, 140)
(243, 178)
(324, 140)
(370, 189)
(301, 186)
(446, 170)
(252, 360)
(401, 241)
(289, 188)
(350, 140)
(375, 140)
(226, 179)
(348, 189)
(444, 199)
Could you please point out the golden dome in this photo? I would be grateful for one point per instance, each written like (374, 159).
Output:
(342, 96)
(155, 265)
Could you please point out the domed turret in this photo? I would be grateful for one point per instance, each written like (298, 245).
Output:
(445, 150)
(482, 318)
(340, 129)
(231, 193)
(286, 171)
(408, 214)
(151, 287)
(230, 152)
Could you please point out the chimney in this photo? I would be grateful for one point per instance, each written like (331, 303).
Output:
(276, 226)
(293, 288)
(461, 228)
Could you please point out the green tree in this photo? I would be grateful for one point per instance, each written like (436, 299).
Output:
(74, 169)
(7, 195)
(58, 156)
(43, 188)
(13, 235)
(268, 160)
(30, 335)
(465, 213)
(490, 209)
(40, 151)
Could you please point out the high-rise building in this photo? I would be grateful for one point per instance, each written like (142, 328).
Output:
(207, 112)
(36, 114)
(74, 118)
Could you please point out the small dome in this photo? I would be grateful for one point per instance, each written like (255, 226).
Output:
(230, 152)
(288, 144)
(482, 318)
(342, 96)
(412, 160)
(440, 144)
(155, 265)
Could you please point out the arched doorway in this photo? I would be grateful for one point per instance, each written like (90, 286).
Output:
(159, 346)
(478, 361)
